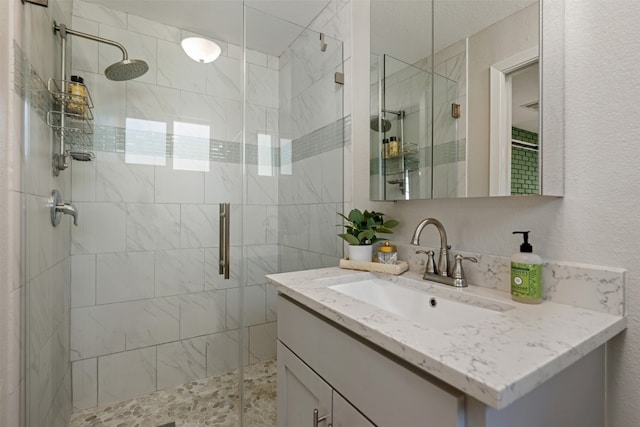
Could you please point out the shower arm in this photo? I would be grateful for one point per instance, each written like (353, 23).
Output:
(64, 30)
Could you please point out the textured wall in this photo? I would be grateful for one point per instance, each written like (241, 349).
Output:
(602, 154)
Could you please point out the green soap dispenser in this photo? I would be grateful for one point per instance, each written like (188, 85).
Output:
(526, 273)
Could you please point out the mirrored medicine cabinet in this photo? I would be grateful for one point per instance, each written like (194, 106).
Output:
(466, 99)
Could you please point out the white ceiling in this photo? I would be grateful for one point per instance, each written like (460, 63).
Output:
(271, 24)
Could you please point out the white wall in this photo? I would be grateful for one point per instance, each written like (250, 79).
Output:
(598, 220)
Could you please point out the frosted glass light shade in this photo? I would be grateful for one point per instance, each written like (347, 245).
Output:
(200, 49)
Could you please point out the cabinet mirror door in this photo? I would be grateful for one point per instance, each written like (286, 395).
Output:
(457, 99)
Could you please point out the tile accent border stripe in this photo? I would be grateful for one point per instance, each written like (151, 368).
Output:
(324, 139)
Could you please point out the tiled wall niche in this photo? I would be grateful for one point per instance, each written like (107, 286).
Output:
(149, 309)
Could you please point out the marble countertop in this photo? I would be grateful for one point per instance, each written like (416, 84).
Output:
(496, 360)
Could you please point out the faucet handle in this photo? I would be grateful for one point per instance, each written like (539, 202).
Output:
(68, 209)
(458, 271)
(431, 264)
(58, 207)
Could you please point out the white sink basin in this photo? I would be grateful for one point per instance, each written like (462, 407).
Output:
(419, 306)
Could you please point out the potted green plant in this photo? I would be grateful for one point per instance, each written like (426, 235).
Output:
(361, 229)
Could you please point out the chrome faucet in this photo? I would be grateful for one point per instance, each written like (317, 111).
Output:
(441, 273)
(443, 259)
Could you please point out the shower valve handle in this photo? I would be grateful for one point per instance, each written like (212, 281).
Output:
(58, 207)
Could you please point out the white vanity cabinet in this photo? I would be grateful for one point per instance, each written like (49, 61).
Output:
(301, 392)
(319, 364)
(356, 384)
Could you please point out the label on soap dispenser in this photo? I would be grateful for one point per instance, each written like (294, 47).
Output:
(526, 281)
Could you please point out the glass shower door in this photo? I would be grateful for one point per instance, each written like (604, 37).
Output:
(295, 142)
(150, 310)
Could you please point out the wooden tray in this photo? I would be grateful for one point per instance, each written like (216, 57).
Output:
(375, 267)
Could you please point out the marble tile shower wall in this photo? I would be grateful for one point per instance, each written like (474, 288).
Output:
(149, 309)
(311, 179)
(45, 280)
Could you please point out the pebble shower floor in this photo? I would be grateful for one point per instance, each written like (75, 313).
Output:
(207, 402)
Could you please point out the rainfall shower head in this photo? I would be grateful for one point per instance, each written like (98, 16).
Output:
(126, 69)
(375, 124)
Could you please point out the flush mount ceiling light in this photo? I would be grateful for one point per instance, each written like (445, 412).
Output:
(200, 49)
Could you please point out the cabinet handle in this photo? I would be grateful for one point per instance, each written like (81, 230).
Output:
(225, 217)
(316, 420)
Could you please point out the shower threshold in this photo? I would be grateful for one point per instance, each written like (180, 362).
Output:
(208, 402)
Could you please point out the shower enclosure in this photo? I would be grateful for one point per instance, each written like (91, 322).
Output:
(131, 300)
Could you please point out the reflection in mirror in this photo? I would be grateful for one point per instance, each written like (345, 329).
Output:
(401, 97)
(493, 53)
(400, 135)
(450, 122)
(514, 133)
(524, 130)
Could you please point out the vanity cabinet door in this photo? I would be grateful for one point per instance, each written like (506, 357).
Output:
(345, 415)
(300, 391)
(388, 393)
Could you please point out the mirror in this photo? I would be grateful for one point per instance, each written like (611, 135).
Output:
(456, 99)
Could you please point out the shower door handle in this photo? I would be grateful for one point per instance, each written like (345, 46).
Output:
(225, 217)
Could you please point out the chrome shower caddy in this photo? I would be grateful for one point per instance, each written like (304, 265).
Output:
(69, 126)
(72, 128)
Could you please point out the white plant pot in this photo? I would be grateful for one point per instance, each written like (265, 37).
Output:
(361, 253)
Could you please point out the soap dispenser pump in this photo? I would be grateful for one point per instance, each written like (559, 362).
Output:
(526, 273)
